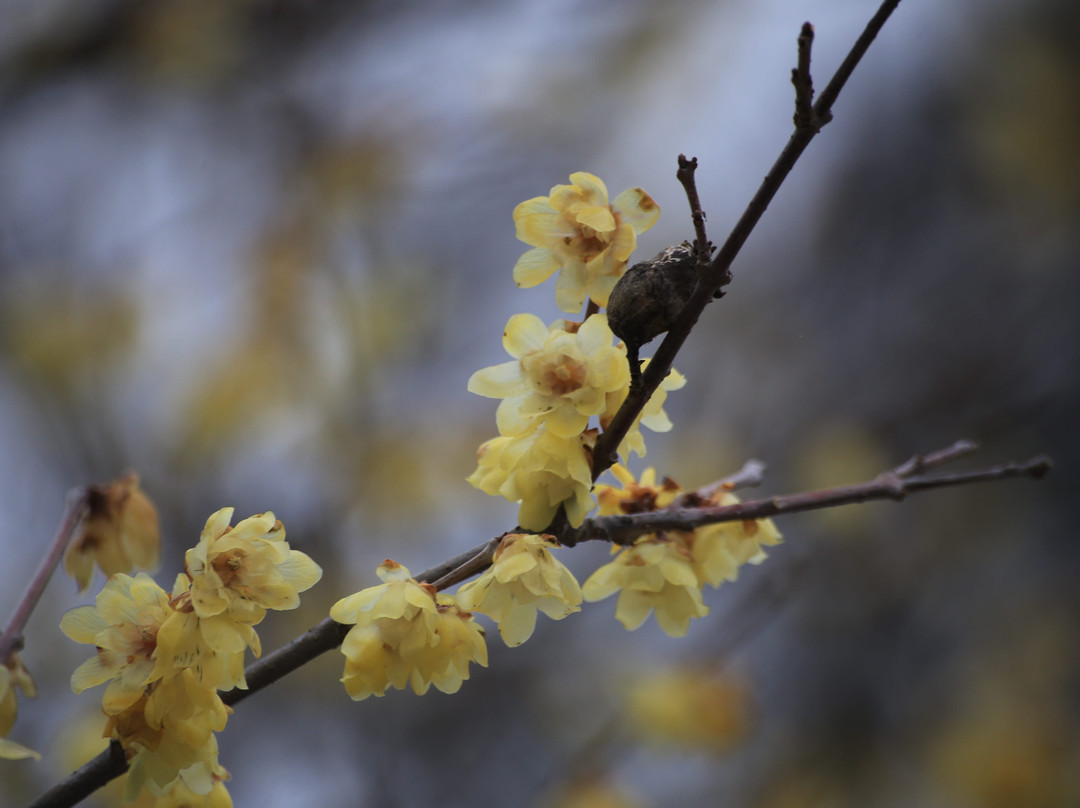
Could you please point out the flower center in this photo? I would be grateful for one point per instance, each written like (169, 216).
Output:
(554, 375)
(228, 565)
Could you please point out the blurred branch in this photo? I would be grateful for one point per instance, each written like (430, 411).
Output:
(11, 640)
(718, 272)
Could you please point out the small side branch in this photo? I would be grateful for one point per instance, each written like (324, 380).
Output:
(895, 484)
(804, 83)
(11, 640)
(703, 248)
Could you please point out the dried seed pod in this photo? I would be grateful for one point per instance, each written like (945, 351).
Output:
(649, 297)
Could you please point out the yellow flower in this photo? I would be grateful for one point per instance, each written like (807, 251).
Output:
(635, 496)
(652, 414)
(124, 626)
(119, 532)
(406, 634)
(541, 471)
(689, 708)
(576, 230)
(561, 375)
(181, 644)
(654, 575)
(524, 578)
(719, 550)
(13, 674)
(168, 735)
(237, 573)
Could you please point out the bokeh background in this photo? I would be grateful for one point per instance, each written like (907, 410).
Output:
(254, 248)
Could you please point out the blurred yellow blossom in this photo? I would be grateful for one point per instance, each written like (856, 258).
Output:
(689, 708)
(561, 374)
(123, 624)
(119, 532)
(655, 574)
(13, 674)
(574, 229)
(524, 578)
(592, 792)
(652, 414)
(541, 471)
(406, 634)
(237, 573)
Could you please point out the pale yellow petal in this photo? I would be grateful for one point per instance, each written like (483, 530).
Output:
(218, 522)
(598, 218)
(300, 572)
(518, 626)
(497, 381)
(523, 334)
(9, 750)
(637, 209)
(632, 609)
(570, 288)
(83, 624)
(592, 186)
(91, 673)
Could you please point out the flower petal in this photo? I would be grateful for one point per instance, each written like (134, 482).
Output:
(524, 333)
(637, 208)
(497, 381)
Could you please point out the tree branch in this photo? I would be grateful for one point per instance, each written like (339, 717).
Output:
(718, 271)
(895, 484)
(11, 640)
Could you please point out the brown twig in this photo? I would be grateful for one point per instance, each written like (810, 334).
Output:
(719, 269)
(685, 175)
(895, 484)
(74, 510)
(750, 475)
(804, 82)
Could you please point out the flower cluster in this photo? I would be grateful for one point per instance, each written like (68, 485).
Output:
(664, 573)
(404, 633)
(165, 656)
(563, 375)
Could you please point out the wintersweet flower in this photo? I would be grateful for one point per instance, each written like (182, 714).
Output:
(181, 644)
(123, 624)
(655, 574)
(13, 674)
(636, 496)
(524, 578)
(719, 550)
(169, 742)
(561, 375)
(404, 633)
(119, 532)
(575, 231)
(237, 573)
(652, 414)
(540, 471)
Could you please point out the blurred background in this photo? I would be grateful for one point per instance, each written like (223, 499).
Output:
(254, 249)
